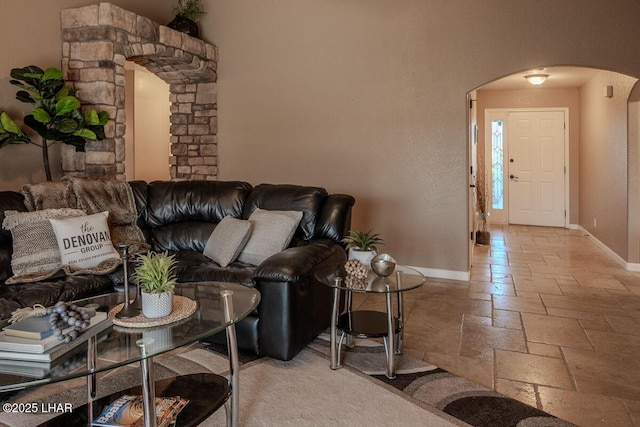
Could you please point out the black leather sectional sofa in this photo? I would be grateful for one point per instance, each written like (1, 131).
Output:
(179, 217)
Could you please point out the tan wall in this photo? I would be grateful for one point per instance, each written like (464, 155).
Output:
(541, 98)
(366, 97)
(151, 118)
(31, 36)
(633, 205)
(604, 159)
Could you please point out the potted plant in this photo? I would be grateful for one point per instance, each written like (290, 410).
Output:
(56, 115)
(155, 273)
(362, 245)
(187, 14)
(482, 234)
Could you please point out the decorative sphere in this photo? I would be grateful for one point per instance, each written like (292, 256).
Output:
(383, 265)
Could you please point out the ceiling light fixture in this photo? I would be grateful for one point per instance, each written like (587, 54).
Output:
(536, 79)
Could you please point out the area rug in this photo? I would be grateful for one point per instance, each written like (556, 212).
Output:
(301, 392)
(306, 392)
(469, 402)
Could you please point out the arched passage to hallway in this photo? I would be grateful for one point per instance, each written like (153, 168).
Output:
(601, 164)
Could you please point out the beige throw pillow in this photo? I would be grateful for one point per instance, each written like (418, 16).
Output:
(227, 240)
(272, 232)
(85, 242)
(35, 248)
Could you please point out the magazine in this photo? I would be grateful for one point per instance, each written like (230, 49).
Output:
(127, 410)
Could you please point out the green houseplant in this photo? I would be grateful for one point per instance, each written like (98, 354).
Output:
(362, 246)
(57, 115)
(187, 14)
(156, 274)
(190, 9)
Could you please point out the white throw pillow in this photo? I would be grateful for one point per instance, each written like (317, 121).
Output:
(84, 242)
(35, 253)
(272, 232)
(227, 240)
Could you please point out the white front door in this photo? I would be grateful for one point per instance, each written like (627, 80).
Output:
(536, 168)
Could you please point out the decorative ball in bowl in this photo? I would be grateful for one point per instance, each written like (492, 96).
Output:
(383, 265)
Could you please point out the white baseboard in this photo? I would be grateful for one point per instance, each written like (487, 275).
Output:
(574, 227)
(464, 276)
(629, 266)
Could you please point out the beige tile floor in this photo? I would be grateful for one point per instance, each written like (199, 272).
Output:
(547, 318)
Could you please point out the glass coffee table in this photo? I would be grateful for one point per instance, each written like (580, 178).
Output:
(368, 323)
(219, 307)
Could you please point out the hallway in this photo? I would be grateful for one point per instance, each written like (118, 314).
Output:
(547, 318)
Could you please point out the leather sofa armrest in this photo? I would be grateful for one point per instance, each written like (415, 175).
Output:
(293, 264)
(294, 308)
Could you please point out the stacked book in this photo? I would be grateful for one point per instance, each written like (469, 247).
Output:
(29, 348)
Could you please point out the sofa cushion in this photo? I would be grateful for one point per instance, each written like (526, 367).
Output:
(227, 240)
(85, 243)
(210, 201)
(35, 248)
(286, 197)
(47, 293)
(181, 236)
(272, 232)
(183, 214)
(334, 219)
(195, 267)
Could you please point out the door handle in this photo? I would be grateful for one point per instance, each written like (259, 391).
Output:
(513, 177)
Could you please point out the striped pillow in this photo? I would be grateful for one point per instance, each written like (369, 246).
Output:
(35, 249)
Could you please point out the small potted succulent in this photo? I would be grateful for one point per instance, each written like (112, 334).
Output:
(362, 245)
(155, 273)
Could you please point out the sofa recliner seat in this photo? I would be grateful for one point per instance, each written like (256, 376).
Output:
(179, 217)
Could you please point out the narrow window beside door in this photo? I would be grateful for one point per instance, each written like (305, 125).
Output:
(497, 147)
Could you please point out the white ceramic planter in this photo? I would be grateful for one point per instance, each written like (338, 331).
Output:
(364, 257)
(157, 305)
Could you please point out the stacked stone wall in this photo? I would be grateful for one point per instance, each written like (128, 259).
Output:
(97, 40)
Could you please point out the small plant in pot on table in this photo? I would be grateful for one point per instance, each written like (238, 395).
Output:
(156, 274)
(362, 245)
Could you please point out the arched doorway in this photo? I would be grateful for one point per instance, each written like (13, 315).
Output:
(598, 173)
(97, 40)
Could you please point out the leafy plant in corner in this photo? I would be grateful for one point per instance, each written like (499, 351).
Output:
(155, 272)
(56, 115)
(363, 241)
(482, 234)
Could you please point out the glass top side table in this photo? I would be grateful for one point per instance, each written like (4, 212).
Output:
(366, 323)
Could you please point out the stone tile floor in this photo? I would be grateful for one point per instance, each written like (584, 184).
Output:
(547, 318)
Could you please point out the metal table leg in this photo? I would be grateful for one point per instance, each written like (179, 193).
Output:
(92, 353)
(148, 384)
(399, 345)
(349, 310)
(391, 367)
(234, 368)
(335, 362)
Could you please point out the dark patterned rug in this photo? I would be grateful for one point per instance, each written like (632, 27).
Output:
(458, 397)
(267, 383)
